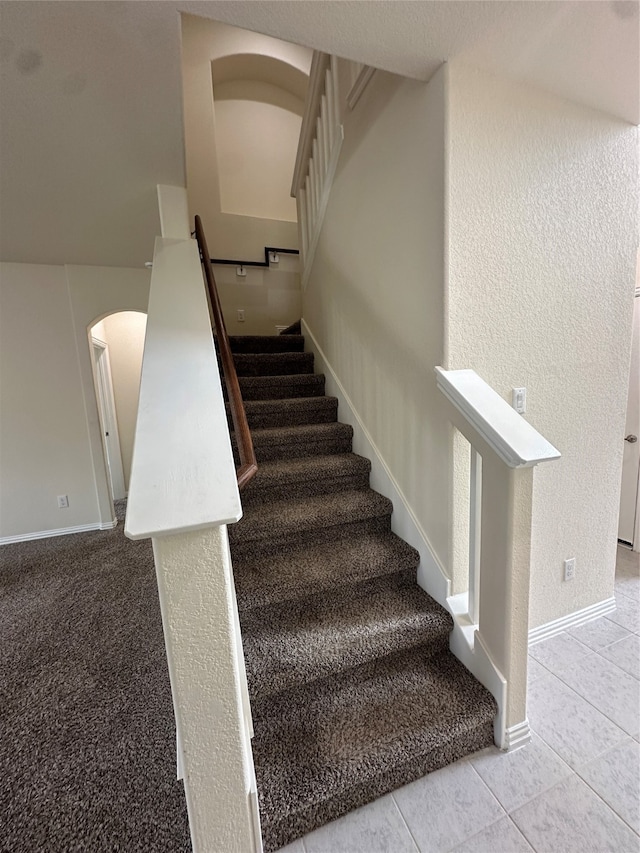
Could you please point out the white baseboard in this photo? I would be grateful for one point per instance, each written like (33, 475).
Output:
(578, 617)
(403, 521)
(62, 531)
(517, 736)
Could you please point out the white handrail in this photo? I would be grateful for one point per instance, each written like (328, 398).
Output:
(183, 473)
(515, 441)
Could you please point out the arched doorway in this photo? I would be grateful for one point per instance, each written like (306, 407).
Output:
(116, 343)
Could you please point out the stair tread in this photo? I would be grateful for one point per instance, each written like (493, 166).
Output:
(331, 746)
(273, 364)
(279, 387)
(293, 411)
(266, 343)
(284, 403)
(295, 643)
(296, 572)
(305, 468)
(301, 434)
(285, 518)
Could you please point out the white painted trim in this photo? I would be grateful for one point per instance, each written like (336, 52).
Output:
(578, 617)
(318, 217)
(108, 417)
(467, 645)
(404, 523)
(513, 439)
(360, 84)
(61, 531)
(173, 207)
(517, 736)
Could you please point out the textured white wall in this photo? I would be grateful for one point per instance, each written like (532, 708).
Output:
(44, 444)
(543, 199)
(228, 235)
(374, 301)
(124, 333)
(197, 600)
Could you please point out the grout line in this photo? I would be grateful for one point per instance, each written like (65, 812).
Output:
(470, 762)
(402, 818)
(608, 805)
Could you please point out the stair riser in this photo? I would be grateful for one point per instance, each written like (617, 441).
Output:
(407, 637)
(322, 414)
(289, 576)
(271, 543)
(302, 490)
(273, 364)
(266, 343)
(288, 450)
(281, 388)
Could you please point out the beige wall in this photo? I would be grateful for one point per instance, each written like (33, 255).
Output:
(50, 441)
(228, 235)
(374, 300)
(543, 201)
(268, 297)
(44, 446)
(257, 130)
(124, 334)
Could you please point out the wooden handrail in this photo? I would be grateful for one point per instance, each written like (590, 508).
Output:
(248, 465)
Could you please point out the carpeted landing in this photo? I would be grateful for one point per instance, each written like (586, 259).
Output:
(353, 689)
(87, 734)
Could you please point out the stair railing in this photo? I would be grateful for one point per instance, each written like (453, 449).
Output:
(248, 465)
(492, 618)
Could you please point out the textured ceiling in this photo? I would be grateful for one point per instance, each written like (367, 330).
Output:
(90, 93)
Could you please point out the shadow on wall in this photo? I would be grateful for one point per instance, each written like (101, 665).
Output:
(117, 343)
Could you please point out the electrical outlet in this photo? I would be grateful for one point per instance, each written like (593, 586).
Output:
(570, 569)
(240, 315)
(241, 271)
(519, 400)
(63, 501)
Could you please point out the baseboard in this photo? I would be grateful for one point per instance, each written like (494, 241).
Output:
(62, 531)
(578, 617)
(403, 521)
(517, 736)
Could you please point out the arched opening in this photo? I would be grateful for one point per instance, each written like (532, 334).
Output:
(116, 343)
(258, 105)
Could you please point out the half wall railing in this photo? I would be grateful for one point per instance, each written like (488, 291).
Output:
(492, 616)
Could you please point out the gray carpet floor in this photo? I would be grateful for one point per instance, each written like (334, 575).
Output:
(87, 735)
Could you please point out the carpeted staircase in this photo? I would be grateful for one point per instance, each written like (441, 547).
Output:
(353, 689)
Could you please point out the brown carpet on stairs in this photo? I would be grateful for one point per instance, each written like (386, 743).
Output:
(354, 691)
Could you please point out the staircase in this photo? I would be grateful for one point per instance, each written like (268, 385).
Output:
(353, 689)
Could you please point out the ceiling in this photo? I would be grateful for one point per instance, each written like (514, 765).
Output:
(90, 93)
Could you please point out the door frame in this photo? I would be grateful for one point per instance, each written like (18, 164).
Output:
(108, 419)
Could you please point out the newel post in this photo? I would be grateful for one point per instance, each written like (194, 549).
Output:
(503, 627)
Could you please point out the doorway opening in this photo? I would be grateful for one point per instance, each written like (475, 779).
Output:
(116, 343)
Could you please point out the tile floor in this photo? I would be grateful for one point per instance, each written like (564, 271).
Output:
(574, 789)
